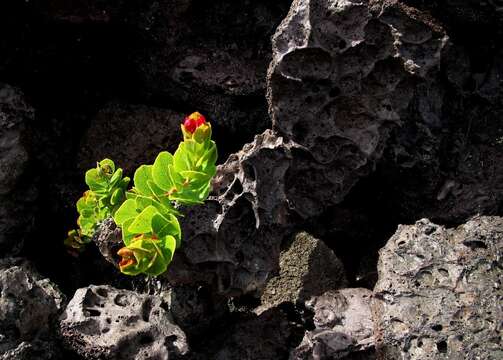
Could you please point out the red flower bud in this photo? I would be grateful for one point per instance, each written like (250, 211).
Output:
(193, 121)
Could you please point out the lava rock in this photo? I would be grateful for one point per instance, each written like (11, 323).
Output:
(307, 268)
(343, 76)
(131, 135)
(108, 239)
(212, 56)
(28, 306)
(15, 194)
(102, 322)
(439, 292)
(343, 327)
(233, 240)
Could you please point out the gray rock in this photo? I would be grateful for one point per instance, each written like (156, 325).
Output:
(28, 306)
(343, 327)
(233, 240)
(307, 268)
(439, 293)
(15, 217)
(342, 77)
(108, 239)
(131, 135)
(102, 322)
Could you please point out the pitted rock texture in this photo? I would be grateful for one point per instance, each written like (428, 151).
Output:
(439, 293)
(307, 268)
(343, 327)
(28, 306)
(130, 135)
(15, 195)
(102, 322)
(233, 240)
(108, 239)
(343, 75)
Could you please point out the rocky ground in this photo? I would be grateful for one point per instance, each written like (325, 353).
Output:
(357, 211)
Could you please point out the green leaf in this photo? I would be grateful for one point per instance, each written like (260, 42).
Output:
(143, 222)
(163, 226)
(195, 175)
(141, 178)
(181, 159)
(116, 177)
(127, 210)
(160, 171)
(94, 180)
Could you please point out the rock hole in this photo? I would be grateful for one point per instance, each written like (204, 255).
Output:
(121, 300)
(102, 292)
(437, 327)
(109, 321)
(93, 312)
(475, 244)
(145, 310)
(442, 347)
(105, 330)
(401, 243)
(443, 272)
(146, 339)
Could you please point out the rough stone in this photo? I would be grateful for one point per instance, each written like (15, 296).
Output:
(212, 56)
(15, 218)
(343, 327)
(28, 305)
(307, 268)
(108, 239)
(102, 322)
(439, 292)
(343, 75)
(233, 241)
(131, 135)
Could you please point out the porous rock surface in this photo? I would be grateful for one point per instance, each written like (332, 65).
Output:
(343, 327)
(29, 304)
(102, 322)
(233, 240)
(342, 77)
(15, 114)
(307, 268)
(439, 293)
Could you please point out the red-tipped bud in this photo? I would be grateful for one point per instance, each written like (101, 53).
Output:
(193, 121)
(127, 256)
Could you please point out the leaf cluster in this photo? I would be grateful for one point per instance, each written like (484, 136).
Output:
(107, 190)
(148, 218)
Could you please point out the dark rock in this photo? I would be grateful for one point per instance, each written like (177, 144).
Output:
(15, 195)
(28, 306)
(344, 75)
(195, 309)
(213, 57)
(343, 327)
(233, 240)
(263, 337)
(102, 322)
(307, 268)
(130, 135)
(439, 292)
